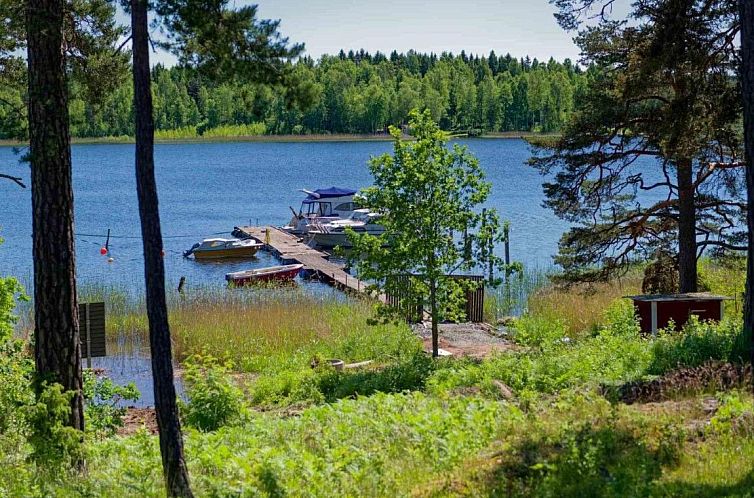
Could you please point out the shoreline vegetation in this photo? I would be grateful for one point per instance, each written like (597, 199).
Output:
(164, 137)
(664, 416)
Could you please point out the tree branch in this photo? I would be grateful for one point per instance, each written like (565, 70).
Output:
(16, 179)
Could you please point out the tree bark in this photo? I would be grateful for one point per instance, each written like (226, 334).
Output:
(57, 350)
(171, 439)
(686, 227)
(746, 12)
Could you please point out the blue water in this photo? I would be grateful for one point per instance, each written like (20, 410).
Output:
(208, 188)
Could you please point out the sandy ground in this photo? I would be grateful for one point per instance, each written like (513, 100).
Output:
(475, 340)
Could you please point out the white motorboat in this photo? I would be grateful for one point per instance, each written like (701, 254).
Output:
(322, 206)
(334, 233)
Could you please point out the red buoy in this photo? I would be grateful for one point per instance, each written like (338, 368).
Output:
(103, 250)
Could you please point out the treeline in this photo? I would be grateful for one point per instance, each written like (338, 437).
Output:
(354, 92)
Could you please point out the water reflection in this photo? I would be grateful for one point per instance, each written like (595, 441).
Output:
(123, 367)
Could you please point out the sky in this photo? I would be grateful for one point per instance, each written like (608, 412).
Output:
(477, 26)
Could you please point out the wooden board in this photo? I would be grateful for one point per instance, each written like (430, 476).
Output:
(291, 249)
(97, 340)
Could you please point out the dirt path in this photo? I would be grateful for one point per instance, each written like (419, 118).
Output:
(137, 418)
(474, 340)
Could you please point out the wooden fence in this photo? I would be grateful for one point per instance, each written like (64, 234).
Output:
(474, 299)
(92, 331)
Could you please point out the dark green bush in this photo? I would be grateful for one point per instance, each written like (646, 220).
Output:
(407, 374)
(698, 343)
(213, 398)
(53, 442)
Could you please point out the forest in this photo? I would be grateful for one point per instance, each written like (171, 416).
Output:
(354, 92)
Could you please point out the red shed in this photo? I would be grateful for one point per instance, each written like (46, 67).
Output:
(656, 311)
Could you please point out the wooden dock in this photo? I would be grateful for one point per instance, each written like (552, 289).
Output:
(291, 249)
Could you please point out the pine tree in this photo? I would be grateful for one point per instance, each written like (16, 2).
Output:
(662, 91)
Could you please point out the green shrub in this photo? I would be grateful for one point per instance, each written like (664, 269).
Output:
(10, 290)
(539, 332)
(407, 374)
(734, 416)
(102, 396)
(698, 343)
(213, 398)
(615, 353)
(16, 369)
(53, 442)
(286, 388)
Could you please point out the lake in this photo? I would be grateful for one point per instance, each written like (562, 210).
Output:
(206, 189)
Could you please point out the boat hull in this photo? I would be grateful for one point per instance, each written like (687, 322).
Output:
(284, 275)
(329, 240)
(236, 252)
(337, 239)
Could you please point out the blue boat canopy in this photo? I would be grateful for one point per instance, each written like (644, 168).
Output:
(324, 193)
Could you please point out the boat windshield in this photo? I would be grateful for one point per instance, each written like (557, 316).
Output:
(362, 215)
(317, 208)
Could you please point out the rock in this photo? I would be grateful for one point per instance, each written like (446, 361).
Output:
(505, 391)
(506, 321)
(358, 365)
(336, 364)
(710, 405)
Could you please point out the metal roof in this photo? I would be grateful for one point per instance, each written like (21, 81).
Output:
(689, 296)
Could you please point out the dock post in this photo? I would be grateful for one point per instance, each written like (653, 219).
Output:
(88, 338)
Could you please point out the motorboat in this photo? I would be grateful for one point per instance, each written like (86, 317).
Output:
(281, 274)
(321, 206)
(334, 233)
(224, 248)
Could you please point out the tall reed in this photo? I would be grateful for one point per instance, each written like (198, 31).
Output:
(256, 328)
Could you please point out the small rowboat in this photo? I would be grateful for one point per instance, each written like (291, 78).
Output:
(284, 273)
(224, 248)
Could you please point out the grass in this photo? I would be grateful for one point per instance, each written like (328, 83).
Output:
(376, 446)
(407, 425)
(583, 446)
(258, 330)
(281, 330)
(417, 445)
(512, 297)
(581, 307)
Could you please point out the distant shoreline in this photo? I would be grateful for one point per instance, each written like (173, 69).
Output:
(335, 137)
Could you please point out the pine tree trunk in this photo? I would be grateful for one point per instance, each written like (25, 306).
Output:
(686, 227)
(56, 324)
(747, 83)
(171, 439)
